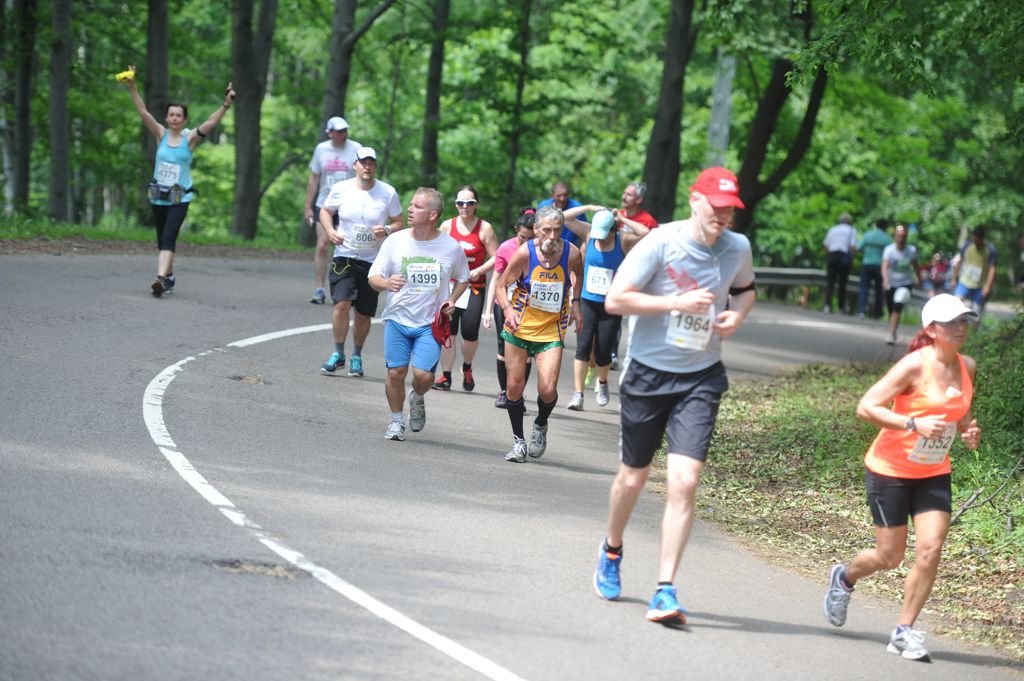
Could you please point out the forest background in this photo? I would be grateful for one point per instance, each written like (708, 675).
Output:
(906, 110)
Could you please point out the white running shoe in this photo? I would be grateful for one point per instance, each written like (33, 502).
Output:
(909, 644)
(837, 598)
(417, 412)
(395, 431)
(518, 452)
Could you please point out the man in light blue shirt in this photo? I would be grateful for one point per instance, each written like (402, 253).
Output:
(689, 284)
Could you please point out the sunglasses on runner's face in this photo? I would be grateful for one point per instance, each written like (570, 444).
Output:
(464, 204)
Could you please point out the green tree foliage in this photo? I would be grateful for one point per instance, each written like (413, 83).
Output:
(919, 122)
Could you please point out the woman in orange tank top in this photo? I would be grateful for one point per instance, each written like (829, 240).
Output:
(921, 404)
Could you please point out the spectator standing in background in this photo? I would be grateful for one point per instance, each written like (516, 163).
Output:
(840, 244)
(871, 246)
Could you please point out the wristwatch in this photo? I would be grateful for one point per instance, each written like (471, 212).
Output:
(910, 426)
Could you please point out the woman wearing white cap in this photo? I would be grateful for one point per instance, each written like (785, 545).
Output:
(604, 249)
(920, 405)
(333, 160)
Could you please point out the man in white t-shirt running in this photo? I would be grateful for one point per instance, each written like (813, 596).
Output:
(368, 211)
(415, 267)
(333, 161)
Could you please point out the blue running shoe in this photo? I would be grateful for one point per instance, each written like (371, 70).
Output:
(333, 362)
(665, 609)
(355, 366)
(606, 577)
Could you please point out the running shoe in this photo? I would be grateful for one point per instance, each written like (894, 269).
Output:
(837, 598)
(501, 402)
(602, 394)
(395, 431)
(588, 380)
(467, 380)
(318, 297)
(890, 339)
(615, 362)
(518, 452)
(333, 362)
(665, 609)
(909, 644)
(355, 366)
(169, 282)
(538, 441)
(417, 412)
(158, 287)
(576, 403)
(606, 577)
(442, 384)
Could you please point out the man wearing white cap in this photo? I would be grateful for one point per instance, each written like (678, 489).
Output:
(367, 211)
(690, 285)
(605, 248)
(333, 161)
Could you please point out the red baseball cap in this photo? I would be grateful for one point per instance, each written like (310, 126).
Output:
(720, 187)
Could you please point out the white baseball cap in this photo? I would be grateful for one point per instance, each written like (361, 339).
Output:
(336, 123)
(363, 153)
(945, 308)
(602, 225)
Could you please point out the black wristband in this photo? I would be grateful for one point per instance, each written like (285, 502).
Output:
(199, 131)
(575, 300)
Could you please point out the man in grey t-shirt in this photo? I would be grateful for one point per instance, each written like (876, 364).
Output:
(689, 284)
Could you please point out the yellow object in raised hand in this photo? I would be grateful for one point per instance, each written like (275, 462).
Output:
(125, 76)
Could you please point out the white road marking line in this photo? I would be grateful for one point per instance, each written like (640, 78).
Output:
(152, 412)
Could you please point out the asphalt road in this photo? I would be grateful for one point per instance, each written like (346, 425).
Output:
(183, 496)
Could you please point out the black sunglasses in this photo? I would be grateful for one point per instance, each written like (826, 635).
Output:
(463, 204)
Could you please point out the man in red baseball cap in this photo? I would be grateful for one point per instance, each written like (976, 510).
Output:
(689, 285)
(720, 187)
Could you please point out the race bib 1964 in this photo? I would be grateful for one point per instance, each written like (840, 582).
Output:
(690, 331)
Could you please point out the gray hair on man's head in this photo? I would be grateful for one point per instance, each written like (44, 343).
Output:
(434, 199)
(550, 212)
(845, 219)
(640, 188)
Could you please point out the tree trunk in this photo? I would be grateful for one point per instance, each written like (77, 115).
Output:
(156, 82)
(432, 106)
(25, 21)
(6, 107)
(60, 128)
(396, 81)
(516, 128)
(344, 36)
(250, 61)
(752, 190)
(661, 168)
